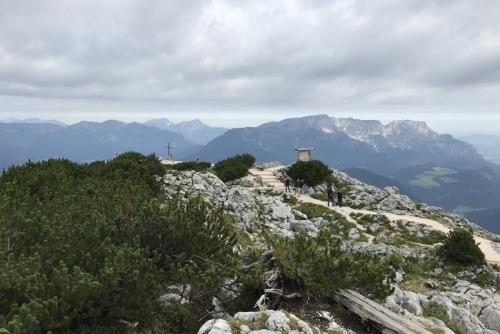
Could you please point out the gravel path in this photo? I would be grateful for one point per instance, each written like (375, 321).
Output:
(270, 180)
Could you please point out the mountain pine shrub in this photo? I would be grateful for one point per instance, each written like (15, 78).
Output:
(200, 166)
(313, 172)
(235, 167)
(460, 247)
(87, 244)
(319, 266)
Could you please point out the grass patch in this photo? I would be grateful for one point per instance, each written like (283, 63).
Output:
(424, 181)
(440, 171)
(447, 179)
(236, 324)
(439, 311)
(260, 321)
(290, 200)
(320, 196)
(271, 192)
(312, 210)
(436, 218)
(435, 330)
(463, 209)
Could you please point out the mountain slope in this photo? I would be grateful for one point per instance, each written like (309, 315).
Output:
(380, 181)
(487, 145)
(344, 142)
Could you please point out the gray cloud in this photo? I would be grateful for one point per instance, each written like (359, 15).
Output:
(326, 56)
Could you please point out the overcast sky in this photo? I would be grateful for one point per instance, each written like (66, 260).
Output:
(243, 63)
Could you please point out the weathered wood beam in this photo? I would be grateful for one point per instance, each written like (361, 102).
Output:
(380, 317)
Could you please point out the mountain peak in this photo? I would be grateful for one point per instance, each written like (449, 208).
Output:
(358, 129)
(32, 121)
(409, 126)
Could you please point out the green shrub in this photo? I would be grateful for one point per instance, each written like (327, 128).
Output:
(234, 168)
(190, 165)
(313, 172)
(290, 200)
(436, 310)
(320, 196)
(96, 243)
(432, 238)
(484, 279)
(312, 210)
(460, 247)
(319, 265)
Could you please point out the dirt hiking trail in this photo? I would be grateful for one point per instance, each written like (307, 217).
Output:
(271, 181)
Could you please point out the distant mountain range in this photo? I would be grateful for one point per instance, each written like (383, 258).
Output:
(195, 130)
(32, 121)
(487, 145)
(345, 142)
(428, 167)
(84, 141)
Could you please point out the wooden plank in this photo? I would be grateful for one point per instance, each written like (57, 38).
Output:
(380, 317)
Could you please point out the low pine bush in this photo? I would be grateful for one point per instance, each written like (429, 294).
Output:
(234, 168)
(460, 247)
(313, 172)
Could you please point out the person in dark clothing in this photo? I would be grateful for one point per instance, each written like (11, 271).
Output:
(339, 198)
(301, 186)
(330, 197)
(287, 185)
(296, 187)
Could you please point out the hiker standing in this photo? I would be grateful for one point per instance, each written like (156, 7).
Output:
(287, 185)
(330, 197)
(296, 187)
(301, 184)
(339, 198)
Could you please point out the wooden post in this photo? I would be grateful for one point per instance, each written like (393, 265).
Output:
(169, 155)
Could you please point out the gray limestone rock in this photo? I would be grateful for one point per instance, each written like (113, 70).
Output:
(473, 307)
(177, 293)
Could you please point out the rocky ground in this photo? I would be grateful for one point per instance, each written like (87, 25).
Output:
(251, 200)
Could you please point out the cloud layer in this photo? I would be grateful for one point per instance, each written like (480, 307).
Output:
(156, 56)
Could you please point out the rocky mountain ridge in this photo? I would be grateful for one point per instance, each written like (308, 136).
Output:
(251, 202)
(345, 143)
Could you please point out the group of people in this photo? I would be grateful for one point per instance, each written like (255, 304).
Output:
(331, 196)
(298, 186)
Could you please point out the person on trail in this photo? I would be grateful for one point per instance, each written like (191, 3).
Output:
(330, 197)
(301, 183)
(296, 187)
(287, 185)
(339, 198)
